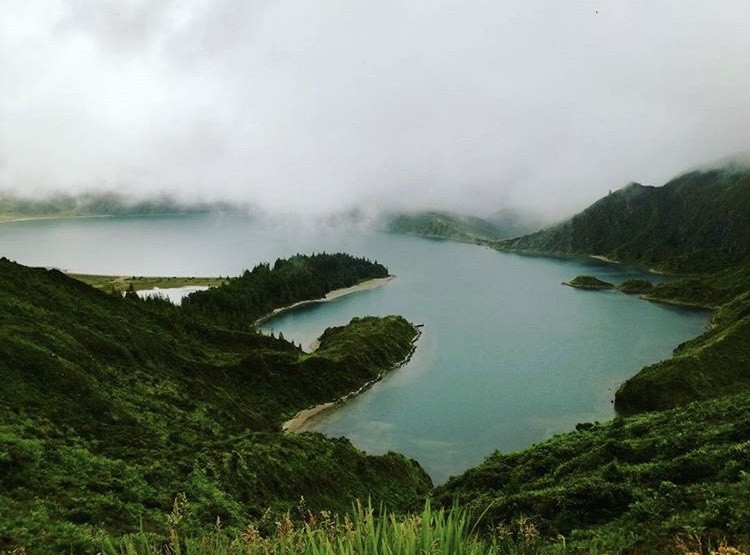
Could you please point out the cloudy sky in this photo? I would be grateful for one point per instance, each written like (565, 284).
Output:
(325, 105)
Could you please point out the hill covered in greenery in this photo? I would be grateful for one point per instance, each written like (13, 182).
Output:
(456, 227)
(697, 222)
(240, 301)
(112, 407)
(98, 204)
(588, 282)
(634, 485)
(714, 364)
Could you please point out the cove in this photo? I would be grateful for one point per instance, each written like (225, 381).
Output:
(508, 356)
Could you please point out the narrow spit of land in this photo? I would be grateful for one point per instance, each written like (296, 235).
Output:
(330, 296)
(303, 418)
(296, 424)
(10, 218)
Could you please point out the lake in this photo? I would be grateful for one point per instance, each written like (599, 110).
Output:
(507, 358)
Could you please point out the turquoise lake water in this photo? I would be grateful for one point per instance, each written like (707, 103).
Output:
(507, 358)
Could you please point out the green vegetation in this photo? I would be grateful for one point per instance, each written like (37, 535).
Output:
(97, 204)
(588, 282)
(444, 225)
(240, 301)
(636, 286)
(695, 223)
(711, 365)
(113, 410)
(362, 532)
(709, 290)
(642, 484)
(111, 406)
(119, 284)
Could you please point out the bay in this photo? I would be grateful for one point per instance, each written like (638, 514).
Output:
(507, 358)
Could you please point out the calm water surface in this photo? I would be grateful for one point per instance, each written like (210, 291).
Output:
(508, 355)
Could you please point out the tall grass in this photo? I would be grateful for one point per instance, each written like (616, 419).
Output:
(364, 532)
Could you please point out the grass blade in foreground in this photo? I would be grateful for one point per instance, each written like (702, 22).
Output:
(439, 532)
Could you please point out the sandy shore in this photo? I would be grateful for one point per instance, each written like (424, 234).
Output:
(11, 219)
(330, 296)
(604, 258)
(364, 286)
(302, 419)
(296, 424)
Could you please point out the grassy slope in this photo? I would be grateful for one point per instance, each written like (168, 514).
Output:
(696, 222)
(364, 532)
(444, 225)
(714, 364)
(109, 409)
(632, 485)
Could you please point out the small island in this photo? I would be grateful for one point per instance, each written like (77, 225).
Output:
(636, 286)
(588, 282)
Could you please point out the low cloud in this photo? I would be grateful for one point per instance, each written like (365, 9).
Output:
(324, 107)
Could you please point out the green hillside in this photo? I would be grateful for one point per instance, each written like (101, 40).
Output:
(240, 301)
(696, 222)
(98, 204)
(633, 485)
(110, 407)
(714, 364)
(444, 225)
(588, 282)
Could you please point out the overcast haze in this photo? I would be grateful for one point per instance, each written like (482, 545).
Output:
(327, 105)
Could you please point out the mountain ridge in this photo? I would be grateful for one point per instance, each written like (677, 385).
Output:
(694, 223)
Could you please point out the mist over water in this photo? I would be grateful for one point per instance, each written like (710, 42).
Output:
(508, 355)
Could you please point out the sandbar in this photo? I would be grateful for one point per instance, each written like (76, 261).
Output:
(604, 258)
(300, 420)
(330, 296)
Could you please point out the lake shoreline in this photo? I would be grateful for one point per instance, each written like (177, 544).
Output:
(299, 421)
(367, 285)
(13, 219)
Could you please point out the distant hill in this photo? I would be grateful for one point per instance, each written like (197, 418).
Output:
(696, 222)
(456, 227)
(99, 204)
(514, 222)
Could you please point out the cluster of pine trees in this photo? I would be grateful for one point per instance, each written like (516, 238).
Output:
(242, 300)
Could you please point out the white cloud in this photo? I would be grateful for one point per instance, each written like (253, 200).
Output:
(326, 105)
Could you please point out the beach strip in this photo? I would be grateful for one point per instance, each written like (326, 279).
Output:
(299, 422)
(330, 296)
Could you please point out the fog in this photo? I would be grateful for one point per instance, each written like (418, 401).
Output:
(327, 106)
